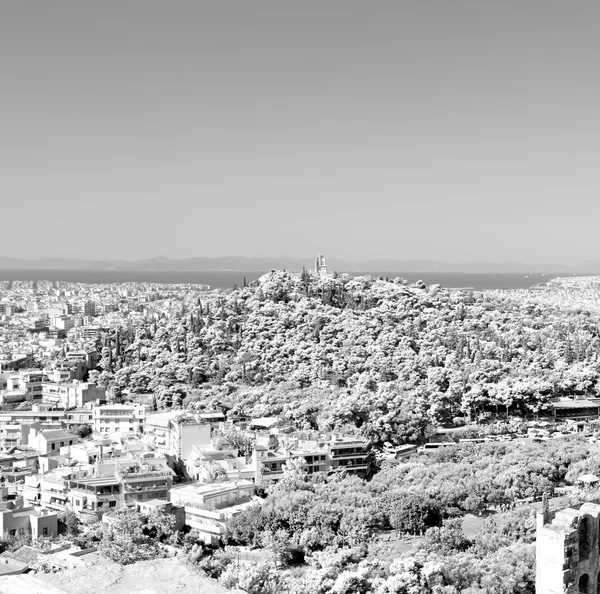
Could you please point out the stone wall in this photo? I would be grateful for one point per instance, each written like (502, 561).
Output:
(568, 552)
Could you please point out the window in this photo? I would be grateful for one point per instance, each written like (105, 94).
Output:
(62, 443)
(70, 442)
(112, 504)
(53, 446)
(585, 539)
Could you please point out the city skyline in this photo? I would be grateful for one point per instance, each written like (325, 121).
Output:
(458, 132)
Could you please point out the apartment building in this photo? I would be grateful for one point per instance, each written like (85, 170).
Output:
(58, 375)
(32, 416)
(151, 479)
(352, 454)
(119, 418)
(90, 498)
(62, 322)
(27, 382)
(79, 416)
(324, 453)
(12, 435)
(6, 310)
(120, 483)
(209, 507)
(175, 433)
(72, 395)
(89, 309)
(50, 490)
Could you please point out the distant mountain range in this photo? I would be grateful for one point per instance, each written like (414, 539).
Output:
(240, 263)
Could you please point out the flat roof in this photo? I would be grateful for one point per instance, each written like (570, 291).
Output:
(34, 413)
(9, 565)
(58, 435)
(97, 481)
(155, 502)
(210, 489)
(574, 404)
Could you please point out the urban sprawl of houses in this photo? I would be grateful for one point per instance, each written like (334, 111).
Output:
(125, 455)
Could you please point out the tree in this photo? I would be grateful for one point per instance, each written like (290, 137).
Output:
(13, 542)
(82, 431)
(71, 521)
(411, 513)
(130, 536)
(216, 473)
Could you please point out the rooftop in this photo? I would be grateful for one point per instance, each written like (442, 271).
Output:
(8, 565)
(51, 435)
(201, 489)
(583, 403)
(100, 481)
(25, 554)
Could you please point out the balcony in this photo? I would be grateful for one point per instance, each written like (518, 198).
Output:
(88, 516)
(145, 474)
(156, 487)
(347, 454)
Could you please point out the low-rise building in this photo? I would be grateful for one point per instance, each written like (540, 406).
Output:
(205, 461)
(80, 416)
(38, 523)
(576, 409)
(32, 416)
(50, 442)
(209, 507)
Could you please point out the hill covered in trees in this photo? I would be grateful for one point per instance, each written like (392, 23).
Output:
(379, 355)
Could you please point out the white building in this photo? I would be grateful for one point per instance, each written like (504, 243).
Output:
(208, 507)
(72, 394)
(119, 418)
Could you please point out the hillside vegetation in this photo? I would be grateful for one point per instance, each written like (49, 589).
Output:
(374, 354)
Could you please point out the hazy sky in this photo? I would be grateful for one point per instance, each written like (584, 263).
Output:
(445, 130)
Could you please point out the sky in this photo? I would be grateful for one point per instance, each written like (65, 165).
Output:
(431, 129)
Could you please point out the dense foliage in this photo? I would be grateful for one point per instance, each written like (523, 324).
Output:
(379, 355)
(333, 523)
(130, 536)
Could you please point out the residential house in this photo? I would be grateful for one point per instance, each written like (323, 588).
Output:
(50, 442)
(23, 520)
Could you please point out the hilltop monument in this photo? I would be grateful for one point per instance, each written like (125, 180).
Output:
(320, 266)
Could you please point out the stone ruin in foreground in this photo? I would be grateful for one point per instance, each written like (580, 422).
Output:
(567, 551)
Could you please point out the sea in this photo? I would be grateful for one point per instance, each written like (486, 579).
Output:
(473, 281)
